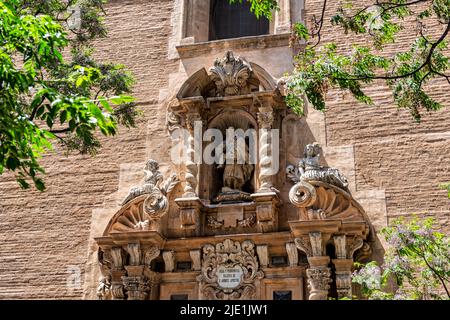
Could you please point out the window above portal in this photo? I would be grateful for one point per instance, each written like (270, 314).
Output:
(234, 21)
(201, 21)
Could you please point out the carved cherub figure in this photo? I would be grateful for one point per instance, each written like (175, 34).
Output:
(153, 184)
(308, 169)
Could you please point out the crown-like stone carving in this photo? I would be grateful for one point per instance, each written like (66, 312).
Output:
(231, 75)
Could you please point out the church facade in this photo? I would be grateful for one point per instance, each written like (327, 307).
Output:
(221, 192)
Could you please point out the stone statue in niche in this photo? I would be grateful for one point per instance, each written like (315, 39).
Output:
(237, 172)
(309, 169)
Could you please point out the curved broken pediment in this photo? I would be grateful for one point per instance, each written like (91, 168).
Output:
(320, 201)
(131, 217)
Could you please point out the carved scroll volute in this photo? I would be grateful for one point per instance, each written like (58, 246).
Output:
(340, 246)
(196, 259)
(353, 244)
(117, 258)
(231, 75)
(292, 253)
(304, 245)
(316, 243)
(134, 252)
(117, 272)
(263, 255)
(150, 254)
(302, 195)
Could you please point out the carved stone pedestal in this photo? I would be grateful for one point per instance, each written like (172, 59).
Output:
(266, 210)
(190, 215)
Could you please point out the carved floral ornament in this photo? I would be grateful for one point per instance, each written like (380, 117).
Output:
(229, 271)
(231, 75)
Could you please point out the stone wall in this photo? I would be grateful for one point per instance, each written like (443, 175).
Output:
(392, 152)
(44, 236)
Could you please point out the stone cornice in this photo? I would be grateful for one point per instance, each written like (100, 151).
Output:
(244, 43)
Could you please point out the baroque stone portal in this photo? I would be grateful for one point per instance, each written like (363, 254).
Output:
(237, 230)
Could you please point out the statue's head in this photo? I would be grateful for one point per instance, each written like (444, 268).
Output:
(312, 150)
(152, 165)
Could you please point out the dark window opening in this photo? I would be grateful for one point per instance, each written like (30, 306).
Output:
(179, 297)
(282, 295)
(183, 266)
(159, 266)
(234, 21)
(302, 258)
(279, 260)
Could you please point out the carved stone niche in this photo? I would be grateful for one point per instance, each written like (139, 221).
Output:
(230, 271)
(238, 95)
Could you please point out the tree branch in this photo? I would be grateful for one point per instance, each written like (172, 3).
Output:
(324, 6)
(425, 63)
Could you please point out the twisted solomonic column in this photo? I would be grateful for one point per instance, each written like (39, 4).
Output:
(191, 163)
(265, 120)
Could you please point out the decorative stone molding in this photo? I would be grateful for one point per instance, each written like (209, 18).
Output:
(247, 222)
(231, 75)
(213, 223)
(292, 253)
(263, 255)
(343, 277)
(266, 211)
(134, 252)
(137, 287)
(238, 261)
(117, 256)
(169, 260)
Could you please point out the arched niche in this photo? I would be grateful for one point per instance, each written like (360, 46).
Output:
(243, 123)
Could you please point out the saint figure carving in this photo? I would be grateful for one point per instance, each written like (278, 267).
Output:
(237, 170)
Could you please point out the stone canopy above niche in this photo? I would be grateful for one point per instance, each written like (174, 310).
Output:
(229, 76)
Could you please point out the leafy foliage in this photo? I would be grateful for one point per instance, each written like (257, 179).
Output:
(319, 67)
(418, 260)
(447, 187)
(261, 7)
(42, 96)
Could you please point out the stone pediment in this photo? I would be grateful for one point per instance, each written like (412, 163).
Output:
(130, 218)
(228, 76)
